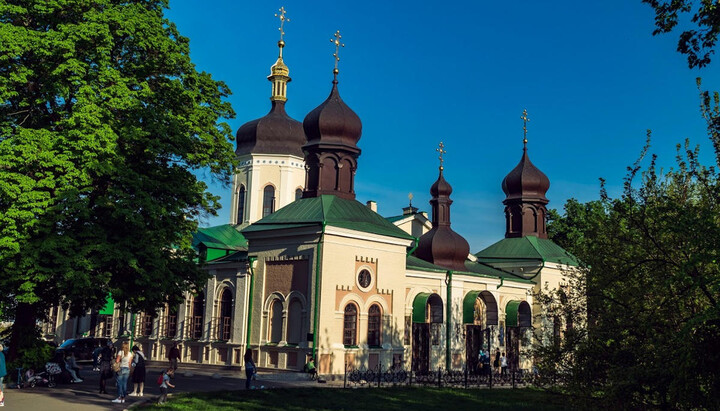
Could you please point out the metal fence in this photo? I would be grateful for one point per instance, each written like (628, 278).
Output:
(395, 376)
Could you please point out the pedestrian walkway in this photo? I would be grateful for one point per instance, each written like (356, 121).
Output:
(85, 397)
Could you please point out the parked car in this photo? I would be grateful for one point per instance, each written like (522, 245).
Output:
(82, 347)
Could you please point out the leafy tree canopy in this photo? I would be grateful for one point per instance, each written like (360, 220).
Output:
(653, 285)
(697, 42)
(103, 120)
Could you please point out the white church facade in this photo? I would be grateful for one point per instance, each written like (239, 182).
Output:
(303, 270)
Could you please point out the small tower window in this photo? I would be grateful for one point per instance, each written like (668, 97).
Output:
(298, 194)
(268, 201)
(241, 205)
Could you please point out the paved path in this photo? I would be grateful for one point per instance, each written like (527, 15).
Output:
(84, 396)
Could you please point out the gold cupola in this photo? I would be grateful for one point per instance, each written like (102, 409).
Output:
(279, 72)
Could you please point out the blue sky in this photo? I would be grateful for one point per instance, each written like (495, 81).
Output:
(590, 74)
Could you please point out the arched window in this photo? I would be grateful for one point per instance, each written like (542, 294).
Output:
(294, 322)
(350, 325)
(374, 325)
(198, 312)
(224, 319)
(241, 205)
(268, 200)
(298, 194)
(275, 322)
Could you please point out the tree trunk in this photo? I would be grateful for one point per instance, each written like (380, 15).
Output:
(24, 329)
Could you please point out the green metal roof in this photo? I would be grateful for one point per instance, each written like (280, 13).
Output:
(224, 237)
(334, 211)
(422, 265)
(525, 249)
(473, 269)
(488, 271)
(237, 256)
(397, 217)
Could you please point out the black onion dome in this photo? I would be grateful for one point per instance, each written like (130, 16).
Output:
(441, 187)
(444, 247)
(526, 181)
(275, 133)
(333, 122)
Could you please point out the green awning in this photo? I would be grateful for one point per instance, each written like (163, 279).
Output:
(490, 307)
(517, 314)
(109, 308)
(469, 307)
(419, 311)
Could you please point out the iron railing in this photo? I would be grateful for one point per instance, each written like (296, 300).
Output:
(379, 377)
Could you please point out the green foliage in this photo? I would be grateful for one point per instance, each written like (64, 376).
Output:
(697, 43)
(33, 352)
(653, 284)
(104, 122)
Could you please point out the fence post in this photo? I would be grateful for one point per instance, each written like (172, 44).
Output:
(466, 374)
(410, 378)
(439, 377)
(490, 380)
(345, 378)
(379, 373)
(513, 378)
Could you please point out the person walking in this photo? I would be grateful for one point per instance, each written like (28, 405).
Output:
(3, 373)
(174, 356)
(124, 359)
(496, 363)
(106, 358)
(503, 363)
(249, 368)
(96, 357)
(138, 374)
(164, 386)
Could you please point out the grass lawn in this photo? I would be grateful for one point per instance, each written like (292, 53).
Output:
(400, 399)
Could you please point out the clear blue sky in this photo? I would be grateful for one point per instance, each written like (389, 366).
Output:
(590, 74)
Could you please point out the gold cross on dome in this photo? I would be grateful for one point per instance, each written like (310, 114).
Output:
(410, 196)
(525, 120)
(338, 44)
(283, 19)
(442, 151)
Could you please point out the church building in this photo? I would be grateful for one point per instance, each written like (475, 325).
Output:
(304, 270)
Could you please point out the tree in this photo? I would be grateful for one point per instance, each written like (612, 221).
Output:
(104, 120)
(653, 285)
(697, 43)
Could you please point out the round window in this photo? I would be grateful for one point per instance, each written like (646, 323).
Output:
(364, 279)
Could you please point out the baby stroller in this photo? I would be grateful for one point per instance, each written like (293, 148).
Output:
(43, 378)
(53, 371)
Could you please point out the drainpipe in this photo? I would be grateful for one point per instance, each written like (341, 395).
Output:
(251, 263)
(316, 308)
(448, 317)
(417, 243)
(132, 329)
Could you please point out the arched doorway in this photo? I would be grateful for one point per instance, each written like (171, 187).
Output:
(518, 318)
(427, 321)
(480, 316)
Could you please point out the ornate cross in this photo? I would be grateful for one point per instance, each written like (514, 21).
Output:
(525, 120)
(410, 196)
(442, 151)
(337, 48)
(283, 19)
